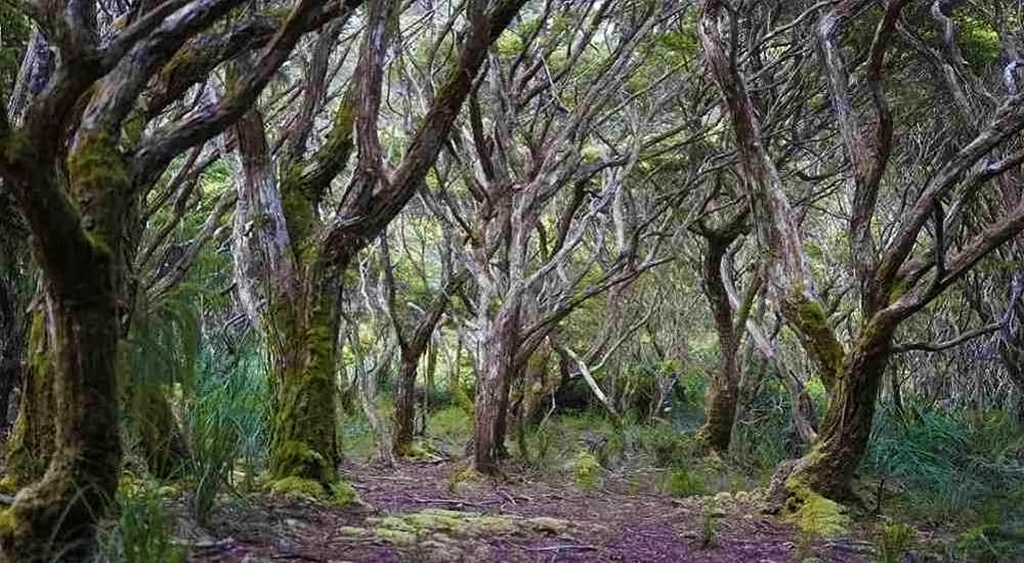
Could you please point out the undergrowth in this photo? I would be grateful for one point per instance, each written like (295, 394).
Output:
(957, 473)
(143, 530)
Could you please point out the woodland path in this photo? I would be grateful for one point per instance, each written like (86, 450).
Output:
(419, 512)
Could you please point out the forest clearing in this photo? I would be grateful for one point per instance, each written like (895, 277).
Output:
(511, 280)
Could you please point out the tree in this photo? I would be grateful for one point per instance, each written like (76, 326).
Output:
(291, 262)
(76, 174)
(896, 279)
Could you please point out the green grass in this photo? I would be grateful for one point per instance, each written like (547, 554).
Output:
(955, 473)
(142, 532)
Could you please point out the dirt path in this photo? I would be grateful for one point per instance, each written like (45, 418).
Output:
(426, 512)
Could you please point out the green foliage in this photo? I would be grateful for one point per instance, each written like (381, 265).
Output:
(665, 445)
(894, 540)
(680, 482)
(15, 29)
(227, 421)
(955, 473)
(451, 424)
(979, 41)
(142, 532)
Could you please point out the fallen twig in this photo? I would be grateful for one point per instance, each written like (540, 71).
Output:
(507, 496)
(580, 547)
(445, 501)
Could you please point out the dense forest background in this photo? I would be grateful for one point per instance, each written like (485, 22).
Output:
(511, 280)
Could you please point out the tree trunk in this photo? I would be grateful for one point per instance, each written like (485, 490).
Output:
(291, 295)
(492, 387)
(405, 407)
(55, 518)
(31, 443)
(162, 440)
(723, 390)
(829, 468)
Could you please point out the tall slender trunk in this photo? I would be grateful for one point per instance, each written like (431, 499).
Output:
(405, 404)
(723, 390)
(492, 387)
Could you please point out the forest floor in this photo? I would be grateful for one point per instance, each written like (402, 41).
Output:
(438, 511)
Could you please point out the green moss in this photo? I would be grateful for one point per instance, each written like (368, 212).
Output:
(299, 487)
(8, 523)
(8, 486)
(336, 494)
(817, 336)
(396, 537)
(31, 443)
(99, 179)
(342, 494)
(439, 526)
(815, 515)
(465, 475)
(586, 471)
(292, 458)
(898, 290)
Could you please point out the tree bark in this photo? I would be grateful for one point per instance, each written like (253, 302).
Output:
(405, 407)
(31, 444)
(492, 387)
(292, 297)
(723, 391)
(56, 516)
(829, 468)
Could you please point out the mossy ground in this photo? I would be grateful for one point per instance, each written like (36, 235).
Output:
(337, 494)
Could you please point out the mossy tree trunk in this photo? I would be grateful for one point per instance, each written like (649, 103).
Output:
(31, 442)
(276, 266)
(61, 155)
(723, 390)
(843, 438)
(55, 517)
(291, 262)
(894, 282)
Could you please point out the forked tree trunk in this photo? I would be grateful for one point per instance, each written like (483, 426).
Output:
(829, 468)
(492, 387)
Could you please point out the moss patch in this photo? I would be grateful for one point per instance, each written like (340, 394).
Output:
(336, 494)
(7, 522)
(586, 470)
(441, 530)
(8, 486)
(818, 516)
